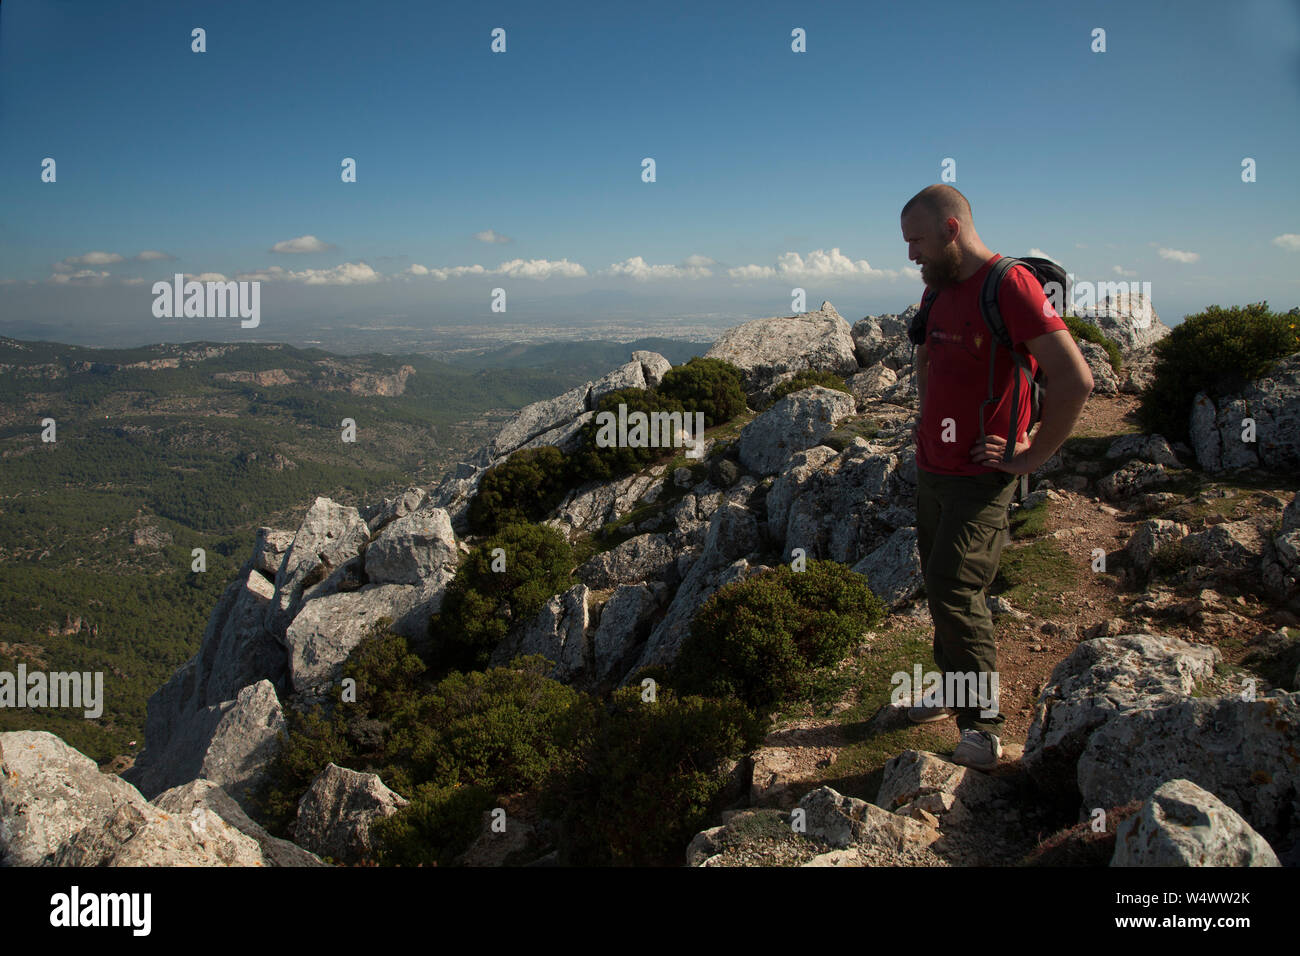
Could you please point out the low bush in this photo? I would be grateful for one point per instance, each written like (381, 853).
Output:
(1083, 330)
(594, 463)
(706, 385)
(807, 379)
(525, 487)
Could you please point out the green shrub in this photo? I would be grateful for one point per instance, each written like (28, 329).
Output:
(525, 487)
(437, 826)
(508, 728)
(593, 463)
(807, 379)
(761, 637)
(1084, 330)
(314, 741)
(706, 385)
(480, 604)
(1218, 352)
(652, 778)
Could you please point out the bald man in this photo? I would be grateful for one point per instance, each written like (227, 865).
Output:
(964, 488)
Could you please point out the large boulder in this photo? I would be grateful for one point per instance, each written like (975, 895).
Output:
(647, 557)
(653, 367)
(337, 812)
(893, 570)
(330, 535)
(190, 800)
(1219, 429)
(327, 629)
(1150, 538)
(1183, 825)
(798, 421)
(876, 337)
(412, 549)
(871, 384)
(1101, 680)
(58, 809)
(1104, 379)
(230, 743)
(1244, 752)
(537, 418)
(765, 348)
(558, 633)
(844, 821)
(1128, 320)
(631, 375)
(624, 624)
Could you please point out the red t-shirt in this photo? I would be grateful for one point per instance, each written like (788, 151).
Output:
(957, 345)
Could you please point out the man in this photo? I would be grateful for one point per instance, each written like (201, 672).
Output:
(963, 486)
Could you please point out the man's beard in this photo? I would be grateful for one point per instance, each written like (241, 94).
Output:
(942, 273)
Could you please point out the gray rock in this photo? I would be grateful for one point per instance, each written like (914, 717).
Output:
(790, 483)
(1273, 402)
(1101, 680)
(268, 552)
(558, 633)
(1152, 448)
(337, 812)
(204, 795)
(1152, 537)
(915, 777)
(230, 743)
(765, 348)
(1131, 479)
(844, 821)
(798, 421)
(1129, 321)
(377, 516)
(1183, 825)
(566, 437)
(631, 375)
(1244, 752)
(732, 535)
(646, 557)
(330, 534)
(653, 366)
(58, 809)
(624, 624)
(537, 418)
(413, 548)
(1231, 548)
(1104, 379)
(327, 629)
(893, 570)
(870, 384)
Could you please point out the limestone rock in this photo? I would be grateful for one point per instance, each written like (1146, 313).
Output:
(1152, 537)
(1183, 825)
(1100, 680)
(893, 570)
(796, 422)
(1273, 403)
(844, 821)
(558, 633)
(1241, 751)
(185, 800)
(653, 366)
(337, 812)
(631, 375)
(330, 534)
(646, 557)
(870, 384)
(765, 348)
(413, 548)
(1104, 379)
(1128, 320)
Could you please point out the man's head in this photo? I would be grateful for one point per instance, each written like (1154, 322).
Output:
(940, 234)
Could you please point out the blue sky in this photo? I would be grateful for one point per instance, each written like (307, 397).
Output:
(522, 170)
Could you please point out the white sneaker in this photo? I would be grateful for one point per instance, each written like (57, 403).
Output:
(978, 749)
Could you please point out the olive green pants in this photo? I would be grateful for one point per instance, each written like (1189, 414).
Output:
(961, 528)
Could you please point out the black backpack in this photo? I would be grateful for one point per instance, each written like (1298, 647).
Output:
(1045, 271)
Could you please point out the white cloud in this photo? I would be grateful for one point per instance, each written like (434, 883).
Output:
(451, 272)
(302, 244)
(134, 281)
(347, 273)
(71, 263)
(1177, 255)
(540, 269)
(152, 255)
(1288, 240)
(205, 277)
(1120, 270)
(491, 235)
(819, 264)
(694, 267)
(81, 277)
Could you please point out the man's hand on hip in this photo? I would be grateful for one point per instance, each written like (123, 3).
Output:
(989, 452)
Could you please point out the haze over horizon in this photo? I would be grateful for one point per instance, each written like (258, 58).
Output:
(523, 170)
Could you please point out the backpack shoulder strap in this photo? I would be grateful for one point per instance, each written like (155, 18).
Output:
(916, 330)
(992, 315)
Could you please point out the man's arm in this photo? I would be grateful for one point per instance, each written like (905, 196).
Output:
(1067, 383)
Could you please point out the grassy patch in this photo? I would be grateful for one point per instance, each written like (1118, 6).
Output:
(1029, 522)
(849, 429)
(1034, 576)
(860, 767)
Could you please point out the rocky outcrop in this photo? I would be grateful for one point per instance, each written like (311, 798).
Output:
(189, 800)
(1220, 430)
(229, 743)
(337, 812)
(844, 821)
(893, 570)
(559, 632)
(1183, 825)
(765, 348)
(1104, 379)
(798, 421)
(1128, 320)
(58, 809)
(1100, 681)
(1150, 539)
(882, 339)
(1244, 752)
